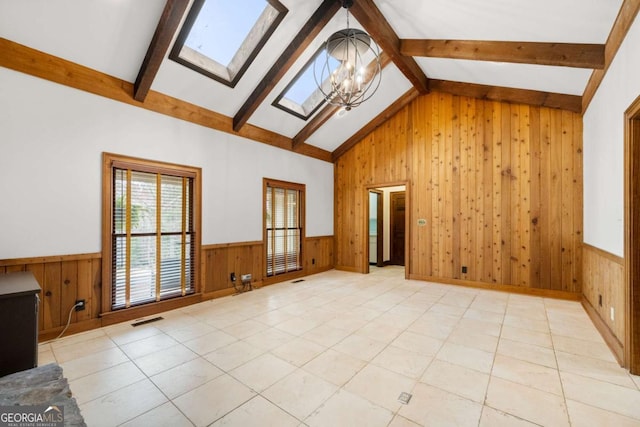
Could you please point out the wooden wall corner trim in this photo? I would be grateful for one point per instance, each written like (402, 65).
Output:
(347, 268)
(543, 293)
(231, 245)
(218, 294)
(319, 270)
(608, 255)
(286, 277)
(118, 316)
(307, 238)
(74, 328)
(52, 258)
(617, 348)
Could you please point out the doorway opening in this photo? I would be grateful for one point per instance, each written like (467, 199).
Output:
(387, 218)
(632, 236)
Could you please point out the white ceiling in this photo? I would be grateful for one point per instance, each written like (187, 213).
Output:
(112, 36)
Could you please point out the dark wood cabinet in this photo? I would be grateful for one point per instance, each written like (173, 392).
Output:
(19, 304)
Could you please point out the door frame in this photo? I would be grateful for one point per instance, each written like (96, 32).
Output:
(632, 236)
(379, 228)
(407, 220)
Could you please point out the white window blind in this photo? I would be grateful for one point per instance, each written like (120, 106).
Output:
(283, 229)
(152, 237)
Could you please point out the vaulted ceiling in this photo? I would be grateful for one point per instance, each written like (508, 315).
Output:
(541, 52)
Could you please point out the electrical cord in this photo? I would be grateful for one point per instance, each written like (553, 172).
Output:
(78, 304)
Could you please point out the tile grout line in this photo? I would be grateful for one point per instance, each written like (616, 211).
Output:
(555, 356)
(493, 362)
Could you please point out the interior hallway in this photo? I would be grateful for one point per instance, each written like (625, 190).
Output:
(338, 349)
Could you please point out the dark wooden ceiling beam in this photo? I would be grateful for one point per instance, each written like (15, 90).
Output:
(167, 27)
(370, 17)
(559, 54)
(300, 42)
(389, 112)
(327, 112)
(506, 94)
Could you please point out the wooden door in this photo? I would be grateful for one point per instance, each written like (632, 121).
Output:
(397, 228)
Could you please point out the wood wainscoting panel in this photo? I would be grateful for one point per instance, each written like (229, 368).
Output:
(63, 280)
(223, 259)
(318, 254)
(66, 279)
(603, 280)
(499, 186)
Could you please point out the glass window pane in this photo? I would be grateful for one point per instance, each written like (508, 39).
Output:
(302, 96)
(171, 204)
(222, 26)
(283, 231)
(171, 265)
(136, 266)
(143, 269)
(221, 38)
(120, 201)
(143, 202)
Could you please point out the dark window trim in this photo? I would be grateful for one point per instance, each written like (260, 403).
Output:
(174, 55)
(276, 102)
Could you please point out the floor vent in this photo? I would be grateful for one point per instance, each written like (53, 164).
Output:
(298, 281)
(404, 397)
(145, 321)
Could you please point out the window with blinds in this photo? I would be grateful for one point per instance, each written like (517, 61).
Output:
(284, 210)
(152, 235)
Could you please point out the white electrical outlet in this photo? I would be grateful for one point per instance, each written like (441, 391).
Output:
(613, 314)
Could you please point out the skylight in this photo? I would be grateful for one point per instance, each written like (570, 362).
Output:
(220, 38)
(302, 97)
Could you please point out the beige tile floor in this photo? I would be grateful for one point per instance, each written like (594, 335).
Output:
(338, 349)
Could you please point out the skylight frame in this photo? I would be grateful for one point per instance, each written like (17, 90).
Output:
(217, 71)
(301, 114)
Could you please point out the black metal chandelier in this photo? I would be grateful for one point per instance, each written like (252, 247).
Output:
(349, 72)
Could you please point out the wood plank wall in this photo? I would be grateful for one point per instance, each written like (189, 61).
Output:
(603, 275)
(65, 279)
(318, 254)
(220, 261)
(500, 186)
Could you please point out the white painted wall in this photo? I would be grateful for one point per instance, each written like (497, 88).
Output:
(51, 143)
(604, 148)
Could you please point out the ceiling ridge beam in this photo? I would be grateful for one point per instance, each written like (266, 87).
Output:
(506, 94)
(298, 45)
(328, 111)
(39, 64)
(374, 22)
(579, 55)
(377, 121)
(166, 29)
(627, 14)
